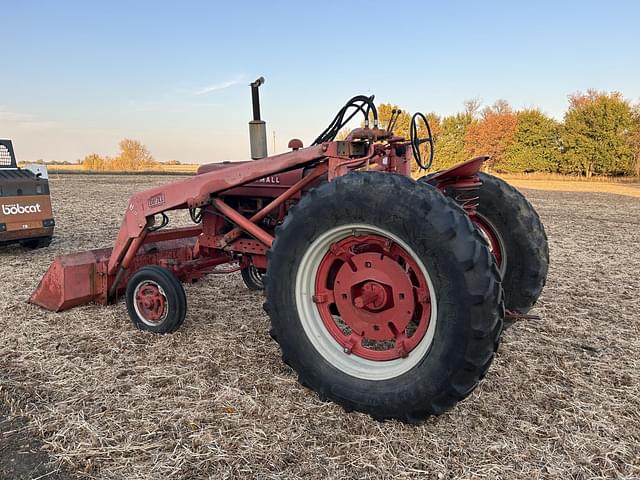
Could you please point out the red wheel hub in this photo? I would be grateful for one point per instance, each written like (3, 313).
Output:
(151, 301)
(373, 297)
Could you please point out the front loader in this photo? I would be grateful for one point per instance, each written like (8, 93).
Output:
(385, 293)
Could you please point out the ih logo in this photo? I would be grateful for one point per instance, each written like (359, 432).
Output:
(156, 200)
(17, 209)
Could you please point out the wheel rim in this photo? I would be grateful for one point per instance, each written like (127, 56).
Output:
(366, 301)
(255, 275)
(494, 239)
(150, 303)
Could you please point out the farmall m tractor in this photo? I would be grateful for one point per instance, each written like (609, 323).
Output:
(386, 295)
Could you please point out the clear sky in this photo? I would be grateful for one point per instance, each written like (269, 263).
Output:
(79, 76)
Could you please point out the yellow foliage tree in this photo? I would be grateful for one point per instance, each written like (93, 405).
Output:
(94, 162)
(134, 156)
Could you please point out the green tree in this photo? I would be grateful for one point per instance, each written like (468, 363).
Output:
(450, 140)
(535, 146)
(635, 141)
(451, 133)
(597, 134)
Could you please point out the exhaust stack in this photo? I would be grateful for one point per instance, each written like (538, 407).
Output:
(257, 127)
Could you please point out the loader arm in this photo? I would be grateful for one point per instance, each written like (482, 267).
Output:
(197, 192)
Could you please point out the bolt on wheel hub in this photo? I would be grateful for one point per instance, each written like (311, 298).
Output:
(373, 296)
(379, 293)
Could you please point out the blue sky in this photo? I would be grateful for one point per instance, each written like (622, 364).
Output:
(79, 76)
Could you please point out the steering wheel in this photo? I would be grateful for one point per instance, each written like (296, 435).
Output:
(416, 141)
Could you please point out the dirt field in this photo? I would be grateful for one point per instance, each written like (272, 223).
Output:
(214, 400)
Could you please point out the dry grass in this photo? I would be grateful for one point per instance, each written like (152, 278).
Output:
(569, 178)
(214, 400)
(629, 186)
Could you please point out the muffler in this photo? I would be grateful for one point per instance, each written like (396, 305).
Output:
(257, 127)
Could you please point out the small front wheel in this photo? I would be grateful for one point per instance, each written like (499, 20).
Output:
(156, 301)
(253, 277)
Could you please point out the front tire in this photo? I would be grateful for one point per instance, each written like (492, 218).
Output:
(156, 301)
(377, 311)
(253, 278)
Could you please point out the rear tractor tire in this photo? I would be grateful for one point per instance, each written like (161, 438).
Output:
(379, 307)
(156, 301)
(517, 240)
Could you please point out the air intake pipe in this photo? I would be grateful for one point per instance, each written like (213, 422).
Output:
(257, 127)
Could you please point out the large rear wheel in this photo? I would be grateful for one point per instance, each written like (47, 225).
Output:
(377, 308)
(516, 238)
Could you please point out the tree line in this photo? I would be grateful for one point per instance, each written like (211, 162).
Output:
(133, 156)
(599, 135)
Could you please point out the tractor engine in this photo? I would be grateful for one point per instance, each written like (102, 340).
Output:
(253, 197)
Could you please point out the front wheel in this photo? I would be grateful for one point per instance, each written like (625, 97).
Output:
(253, 277)
(379, 312)
(156, 301)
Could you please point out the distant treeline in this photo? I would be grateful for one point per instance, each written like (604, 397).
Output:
(133, 157)
(599, 135)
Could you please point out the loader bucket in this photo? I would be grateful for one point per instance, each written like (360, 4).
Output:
(81, 278)
(73, 280)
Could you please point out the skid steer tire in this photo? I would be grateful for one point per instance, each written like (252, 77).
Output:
(399, 230)
(156, 301)
(35, 243)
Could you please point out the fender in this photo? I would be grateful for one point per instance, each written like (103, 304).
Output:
(464, 175)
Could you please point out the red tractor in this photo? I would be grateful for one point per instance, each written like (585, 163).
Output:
(386, 295)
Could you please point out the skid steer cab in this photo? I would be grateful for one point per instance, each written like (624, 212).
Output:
(26, 216)
(386, 294)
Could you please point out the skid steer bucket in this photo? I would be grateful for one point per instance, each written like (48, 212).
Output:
(81, 278)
